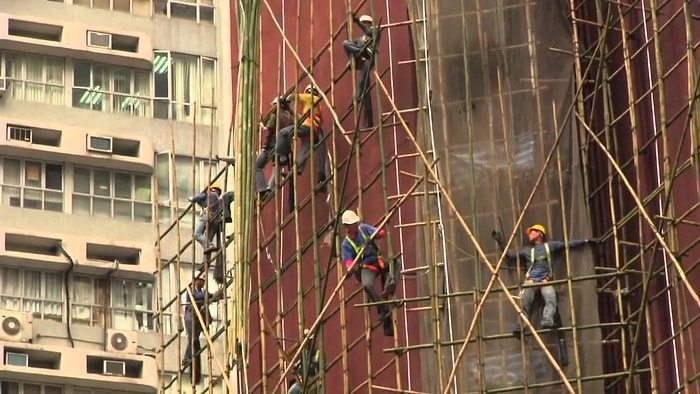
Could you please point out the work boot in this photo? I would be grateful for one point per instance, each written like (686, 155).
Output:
(388, 327)
(548, 325)
(264, 195)
(389, 290)
(519, 331)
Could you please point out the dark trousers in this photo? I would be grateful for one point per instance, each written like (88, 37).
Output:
(261, 161)
(194, 330)
(356, 50)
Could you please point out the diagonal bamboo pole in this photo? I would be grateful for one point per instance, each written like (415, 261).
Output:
(482, 254)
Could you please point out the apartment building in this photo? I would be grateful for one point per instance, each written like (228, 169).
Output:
(104, 104)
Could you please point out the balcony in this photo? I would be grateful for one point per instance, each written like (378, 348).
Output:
(79, 146)
(66, 39)
(77, 366)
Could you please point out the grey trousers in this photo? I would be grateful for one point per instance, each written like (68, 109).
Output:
(368, 277)
(261, 161)
(549, 294)
(284, 149)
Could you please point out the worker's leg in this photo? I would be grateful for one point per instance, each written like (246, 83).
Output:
(260, 162)
(528, 297)
(295, 388)
(303, 133)
(193, 329)
(212, 230)
(199, 231)
(391, 277)
(283, 144)
(322, 166)
(368, 278)
(550, 306)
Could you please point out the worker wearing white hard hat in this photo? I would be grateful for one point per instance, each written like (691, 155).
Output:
(362, 256)
(361, 51)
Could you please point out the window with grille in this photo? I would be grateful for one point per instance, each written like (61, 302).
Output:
(32, 184)
(38, 292)
(99, 87)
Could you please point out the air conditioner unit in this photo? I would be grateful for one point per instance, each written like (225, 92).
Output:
(114, 368)
(16, 359)
(99, 40)
(97, 143)
(3, 85)
(16, 133)
(16, 326)
(121, 341)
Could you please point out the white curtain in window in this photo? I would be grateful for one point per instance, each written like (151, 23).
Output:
(10, 289)
(55, 70)
(83, 294)
(53, 296)
(32, 292)
(184, 89)
(208, 91)
(123, 296)
(34, 87)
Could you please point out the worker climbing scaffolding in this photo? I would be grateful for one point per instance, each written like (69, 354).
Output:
(280, 117)
(306, 367)
(359, 245)
(362, 52)
(309, 132)
(537, 259)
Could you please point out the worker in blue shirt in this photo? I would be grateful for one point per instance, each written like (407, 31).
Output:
(537, 259)
(308, 361)
(370, 265)
(193, 326)
(212, 207)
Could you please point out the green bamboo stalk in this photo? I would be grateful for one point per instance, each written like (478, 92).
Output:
(248, 28)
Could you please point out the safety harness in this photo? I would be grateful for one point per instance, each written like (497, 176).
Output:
(379, 266)
(548, 256)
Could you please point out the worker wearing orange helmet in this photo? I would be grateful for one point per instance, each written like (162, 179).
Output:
(538, 260)
(212, 206)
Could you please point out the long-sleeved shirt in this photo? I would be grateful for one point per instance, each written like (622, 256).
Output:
(353, 243)
(199, 296)
(286, 118)
(211, 200)
(539, 268)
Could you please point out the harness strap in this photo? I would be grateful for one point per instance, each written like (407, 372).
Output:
(360, 250)
(532, 259)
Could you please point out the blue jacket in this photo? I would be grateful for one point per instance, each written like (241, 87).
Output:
(199, 296)
(349, 253)
(540, 268)
(209, 199)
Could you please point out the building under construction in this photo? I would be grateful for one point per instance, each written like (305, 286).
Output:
(481, 116)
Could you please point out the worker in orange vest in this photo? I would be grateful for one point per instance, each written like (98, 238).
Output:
(370, 264)
(537, 258)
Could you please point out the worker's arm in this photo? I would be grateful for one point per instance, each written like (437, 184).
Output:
(369, 230)
(200, 198)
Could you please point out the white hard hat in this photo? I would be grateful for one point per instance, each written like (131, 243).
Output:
(350, 217)
(309, 88)
(366, 18)
(275, 101)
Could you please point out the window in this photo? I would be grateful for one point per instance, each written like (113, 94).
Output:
(138, 7)
(130, 303)
(179, 175)
(39, 292)
(89, 300)
(105, 193)
(194, 10)
(32, 184)
(34, 78)
(111, 89)
(181, 83)
(28, 388)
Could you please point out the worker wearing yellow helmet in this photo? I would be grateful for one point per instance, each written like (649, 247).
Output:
(537, 259)
(212, 206)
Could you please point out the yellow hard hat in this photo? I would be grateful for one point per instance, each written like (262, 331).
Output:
(215, 185)
(537, 227)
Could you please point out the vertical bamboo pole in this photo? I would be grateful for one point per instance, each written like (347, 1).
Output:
(248, 20)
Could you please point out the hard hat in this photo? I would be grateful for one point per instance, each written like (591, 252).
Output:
(282, 102)
(350, 217)
(366, 18)
(215, 185)
(537, 227)
(310, 88)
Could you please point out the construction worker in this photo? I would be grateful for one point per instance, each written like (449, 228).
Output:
(308, 360)
(281, 116)
(212, 206)
(370, 264)
(538, 260)
(361, 51)
(193, 326)
(310, 128)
